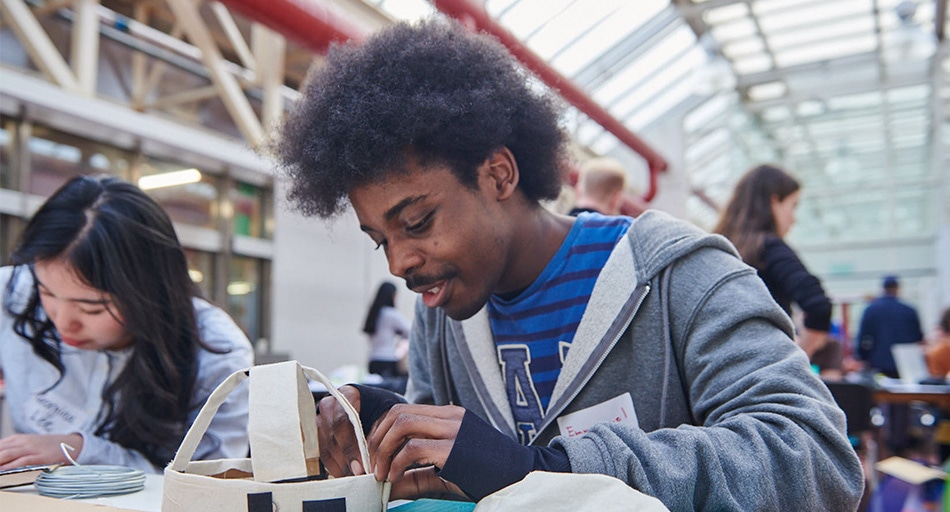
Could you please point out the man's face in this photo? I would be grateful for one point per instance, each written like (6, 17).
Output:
(448, 241)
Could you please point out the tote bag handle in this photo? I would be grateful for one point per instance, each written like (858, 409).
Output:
(203, 420)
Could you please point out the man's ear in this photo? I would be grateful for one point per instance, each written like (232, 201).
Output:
(503, 173)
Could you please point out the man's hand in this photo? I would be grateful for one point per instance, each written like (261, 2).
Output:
(422, 483)
(414, 436)
(31, 449)
(339, 450)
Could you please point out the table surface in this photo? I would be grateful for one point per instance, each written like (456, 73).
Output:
(894, 391)
(148, 499)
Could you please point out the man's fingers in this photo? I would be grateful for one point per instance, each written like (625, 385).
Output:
(420, 439)
(338, 447)
(328, 447)
(415, 453)
(410, 416)
(420, 483)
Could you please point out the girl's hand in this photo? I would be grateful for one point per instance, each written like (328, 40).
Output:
(31, 449)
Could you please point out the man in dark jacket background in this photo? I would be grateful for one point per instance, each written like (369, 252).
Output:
(887, 321)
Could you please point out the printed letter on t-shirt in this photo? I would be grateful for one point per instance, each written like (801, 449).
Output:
(525, 405)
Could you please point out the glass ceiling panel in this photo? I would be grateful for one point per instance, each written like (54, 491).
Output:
(805, 18)
(569, 24)
(762, 7)
(663, 54)
(407, 9)
(726, 13)
(600, 38)
(594, 41)
(825, 50)
(813, 95)
(522, 18)
(733, 30)
(845, 29)
(919, 93)
(743, 47)
(715, 141)
(639, 96)
(752, 64)
(658, 105)
(707, 112)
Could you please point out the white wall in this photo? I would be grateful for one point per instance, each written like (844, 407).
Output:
(324, 277)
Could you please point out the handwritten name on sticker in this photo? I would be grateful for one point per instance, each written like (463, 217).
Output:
(616, 410)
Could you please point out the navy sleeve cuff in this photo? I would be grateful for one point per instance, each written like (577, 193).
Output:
(374, 402)
(483, 460)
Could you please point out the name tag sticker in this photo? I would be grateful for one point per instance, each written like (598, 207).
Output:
(616, 410)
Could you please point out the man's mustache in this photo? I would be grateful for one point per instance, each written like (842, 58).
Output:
(415, 282)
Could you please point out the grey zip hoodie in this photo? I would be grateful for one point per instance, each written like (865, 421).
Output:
(730, 415)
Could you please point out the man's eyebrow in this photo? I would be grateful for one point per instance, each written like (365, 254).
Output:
(401, 205)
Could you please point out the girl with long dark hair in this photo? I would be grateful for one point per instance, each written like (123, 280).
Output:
(385, 325)
(756, 220)
(105, 343)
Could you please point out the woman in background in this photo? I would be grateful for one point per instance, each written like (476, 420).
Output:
(385, 325)
(757, 218)
(105, 344)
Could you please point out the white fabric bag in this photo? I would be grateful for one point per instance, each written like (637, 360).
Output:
(569, 492)
(284, 454)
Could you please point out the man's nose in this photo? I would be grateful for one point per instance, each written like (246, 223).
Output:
(403, 258)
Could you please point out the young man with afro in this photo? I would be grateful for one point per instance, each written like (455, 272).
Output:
(643, 349)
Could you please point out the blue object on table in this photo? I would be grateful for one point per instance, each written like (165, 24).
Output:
(431, 505)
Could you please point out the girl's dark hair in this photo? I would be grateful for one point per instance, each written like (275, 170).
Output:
(434, 92)
(118, 240)
(945, 321)
(747, 220)
(385, 296)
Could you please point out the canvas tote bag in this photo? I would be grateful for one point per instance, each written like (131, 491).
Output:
(284, 453)
(569, 492)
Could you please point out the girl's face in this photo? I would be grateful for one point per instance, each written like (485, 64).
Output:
(783, 211)
(84, 317)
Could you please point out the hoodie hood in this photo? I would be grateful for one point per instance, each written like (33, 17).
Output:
(658, 239)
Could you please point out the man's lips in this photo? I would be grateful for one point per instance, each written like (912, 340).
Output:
(435, 295)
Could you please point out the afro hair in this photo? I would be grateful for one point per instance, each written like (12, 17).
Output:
(433, 91)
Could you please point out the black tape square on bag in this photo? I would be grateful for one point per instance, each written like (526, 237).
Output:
(260, 502)
(330, 505)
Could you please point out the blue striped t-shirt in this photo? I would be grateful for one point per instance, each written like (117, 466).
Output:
(534, 330)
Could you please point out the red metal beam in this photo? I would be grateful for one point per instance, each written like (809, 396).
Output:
(312, 24)
(476, 17)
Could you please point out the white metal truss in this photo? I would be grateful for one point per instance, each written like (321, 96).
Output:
(252, 91)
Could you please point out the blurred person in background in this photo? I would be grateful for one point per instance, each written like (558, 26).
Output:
(887, 321)
(105, 343)
(600, 187)
(938, 348)
(386, 326)
(756, 219)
